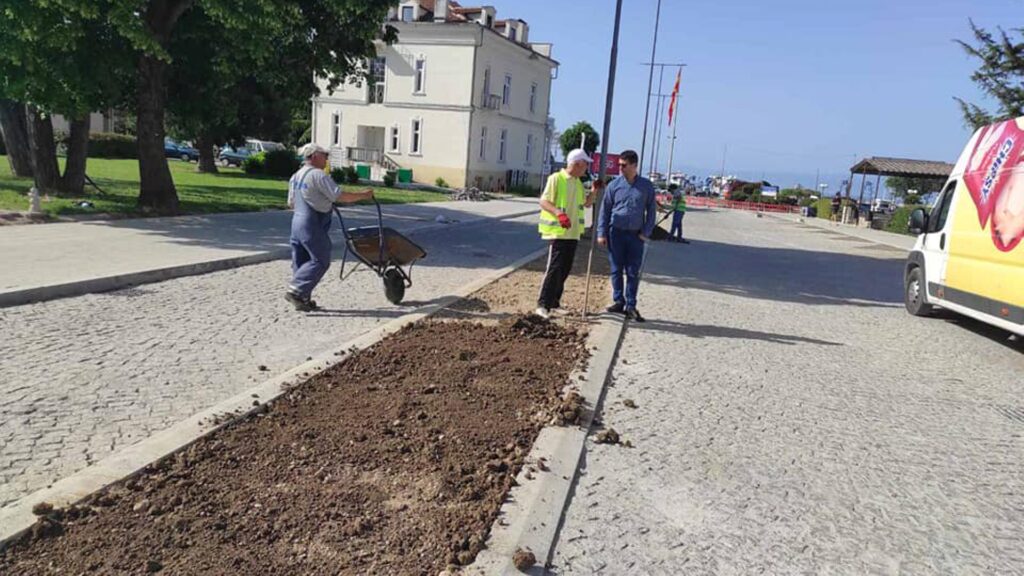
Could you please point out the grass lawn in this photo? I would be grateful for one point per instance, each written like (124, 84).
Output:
(230, 191)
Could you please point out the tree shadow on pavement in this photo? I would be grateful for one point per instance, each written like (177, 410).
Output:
(779, 274)
(706, 331)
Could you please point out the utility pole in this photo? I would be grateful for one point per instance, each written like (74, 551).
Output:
(656, 139)
(606, 133)
(650, 84)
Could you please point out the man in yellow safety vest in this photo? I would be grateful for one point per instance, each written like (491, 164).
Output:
(563, 205)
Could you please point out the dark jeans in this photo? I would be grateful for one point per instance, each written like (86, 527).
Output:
(677, 225)
(626, 253)
(560, 257)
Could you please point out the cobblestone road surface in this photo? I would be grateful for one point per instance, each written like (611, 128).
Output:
(83, 377)
(792, 418)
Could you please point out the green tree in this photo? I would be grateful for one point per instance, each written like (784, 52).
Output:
(900, 185)
(570, 139)
(59, 57)
(1000, 75)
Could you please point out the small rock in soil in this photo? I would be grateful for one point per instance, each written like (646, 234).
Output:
(629, 403)
(524, 559)
(153, 566)
(262, 368)
(42, 509)
(609, 436)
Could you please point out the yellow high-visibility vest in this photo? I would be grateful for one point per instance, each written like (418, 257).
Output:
(549, 225)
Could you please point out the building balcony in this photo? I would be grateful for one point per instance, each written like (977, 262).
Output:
(368, 155)
(491, 102)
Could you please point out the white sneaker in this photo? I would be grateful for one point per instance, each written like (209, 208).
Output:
(543, 313)
(559, 312)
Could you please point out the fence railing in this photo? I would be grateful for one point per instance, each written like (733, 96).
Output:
(372, 155)
(704, 202)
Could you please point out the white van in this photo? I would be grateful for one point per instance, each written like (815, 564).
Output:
(969, 256)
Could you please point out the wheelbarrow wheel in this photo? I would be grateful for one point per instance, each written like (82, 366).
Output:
(394, 285)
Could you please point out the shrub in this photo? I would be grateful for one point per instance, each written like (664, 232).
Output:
(389, 179)
(254, 164)
(351, 174)
(440, 183)
(110, 145)
(900, 223)
(338, 175)
(280, 163)
(524, 190)
(824, 207)
(738, 196)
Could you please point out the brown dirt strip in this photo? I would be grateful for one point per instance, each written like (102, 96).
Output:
(395, 461)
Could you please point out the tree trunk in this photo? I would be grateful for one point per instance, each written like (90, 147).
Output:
(156, 190)
(15, 130)
(73, 181)
(44, 151)
(207, 162)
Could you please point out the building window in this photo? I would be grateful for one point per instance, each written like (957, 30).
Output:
(506, 91)
(408, 13)
(336, 129)
(487, 85)
(378, 74)
(529, 148)
(533, 98)
(395, 140)
(502, 144)
(416, 138)
(420, 78)
(511, 32)
(483, 142)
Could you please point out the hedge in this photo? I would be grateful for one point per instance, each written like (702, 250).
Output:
(900, 223)
(824, 207)
(110, 145)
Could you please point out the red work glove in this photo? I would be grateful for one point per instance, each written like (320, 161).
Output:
(563, 220)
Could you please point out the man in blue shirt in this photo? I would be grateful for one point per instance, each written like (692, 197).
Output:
(627, 218)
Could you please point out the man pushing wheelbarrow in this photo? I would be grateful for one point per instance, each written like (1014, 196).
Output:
(312, 194)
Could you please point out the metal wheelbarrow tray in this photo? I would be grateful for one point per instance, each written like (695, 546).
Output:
(383, 250)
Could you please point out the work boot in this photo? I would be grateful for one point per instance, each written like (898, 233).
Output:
(617, 308)
(634, 315)
(301, 304)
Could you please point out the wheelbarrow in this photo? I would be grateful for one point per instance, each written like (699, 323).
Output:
(385, 251)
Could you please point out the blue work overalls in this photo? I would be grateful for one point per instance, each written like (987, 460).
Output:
(311, 243)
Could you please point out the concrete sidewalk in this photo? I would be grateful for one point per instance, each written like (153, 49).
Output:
(46, 261)
(901, 241)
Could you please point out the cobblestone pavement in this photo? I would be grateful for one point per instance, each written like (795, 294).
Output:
(792, 418)
(83, 377)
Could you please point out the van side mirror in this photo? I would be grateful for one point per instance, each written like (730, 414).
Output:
(918, 221)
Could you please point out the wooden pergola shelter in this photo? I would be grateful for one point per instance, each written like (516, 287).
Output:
(880, 166)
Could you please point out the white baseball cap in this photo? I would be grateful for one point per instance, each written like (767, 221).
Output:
(577, 155)
(312, 148)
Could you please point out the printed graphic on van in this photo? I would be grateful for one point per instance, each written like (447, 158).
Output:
(995, 179)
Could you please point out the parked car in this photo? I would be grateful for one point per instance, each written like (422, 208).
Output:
(230, 156)
(174, 149)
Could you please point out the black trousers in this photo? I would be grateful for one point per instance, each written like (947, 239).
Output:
(560, 257)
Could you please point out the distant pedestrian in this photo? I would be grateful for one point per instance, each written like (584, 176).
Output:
(678, 208)
(563, 205)
(312, 194)
(837, 205)
(627, 219)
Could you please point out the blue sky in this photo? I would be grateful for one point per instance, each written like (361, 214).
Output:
(790, 86)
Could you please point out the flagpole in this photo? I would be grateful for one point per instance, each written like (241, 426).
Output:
(650, 84)
(605, 137)
(675, 123)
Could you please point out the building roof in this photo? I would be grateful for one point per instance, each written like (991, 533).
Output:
(902, 167)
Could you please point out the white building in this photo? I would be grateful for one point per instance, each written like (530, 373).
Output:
(461, 96)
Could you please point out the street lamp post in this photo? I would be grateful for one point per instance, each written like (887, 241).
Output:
(606, 134)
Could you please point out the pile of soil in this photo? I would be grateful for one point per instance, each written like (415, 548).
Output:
(393, 462)
(517, 293)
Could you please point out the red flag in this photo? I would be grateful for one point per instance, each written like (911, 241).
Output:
(675, 94)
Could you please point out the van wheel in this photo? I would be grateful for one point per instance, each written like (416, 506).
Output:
(914, 296)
